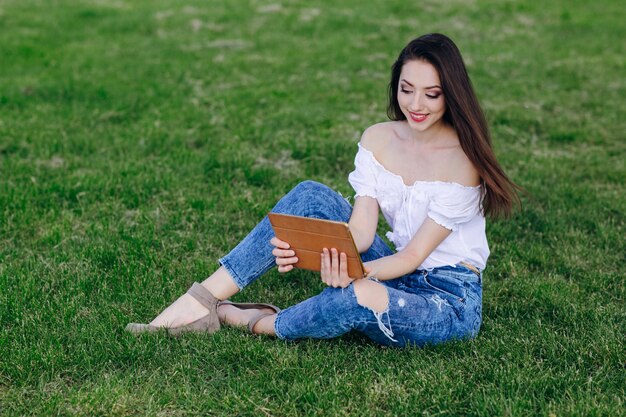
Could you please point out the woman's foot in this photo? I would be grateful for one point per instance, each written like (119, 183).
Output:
(186, 309)
(196, 311)
(240, 317)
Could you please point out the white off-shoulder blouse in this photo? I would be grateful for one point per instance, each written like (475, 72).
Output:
(452, 205)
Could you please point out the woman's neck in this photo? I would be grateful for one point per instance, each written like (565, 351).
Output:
(440, 134)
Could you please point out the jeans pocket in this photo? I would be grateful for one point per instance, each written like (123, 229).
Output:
(460, 296)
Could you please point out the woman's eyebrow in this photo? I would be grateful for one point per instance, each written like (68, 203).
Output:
(425, 88)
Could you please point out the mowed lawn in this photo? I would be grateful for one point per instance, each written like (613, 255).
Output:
(140, 141)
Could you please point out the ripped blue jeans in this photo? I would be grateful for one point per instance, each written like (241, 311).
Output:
(425, 307)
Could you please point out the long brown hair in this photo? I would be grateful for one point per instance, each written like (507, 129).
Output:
(463, 113)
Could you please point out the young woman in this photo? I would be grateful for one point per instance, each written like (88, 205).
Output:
(432, 172)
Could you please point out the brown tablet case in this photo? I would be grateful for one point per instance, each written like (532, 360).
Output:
(308, 237)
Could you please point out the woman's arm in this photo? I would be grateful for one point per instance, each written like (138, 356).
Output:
(427, 238)
(334, 270)
(364, 219)
(363, 222)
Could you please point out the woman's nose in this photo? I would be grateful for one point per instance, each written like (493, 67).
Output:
(417, 101)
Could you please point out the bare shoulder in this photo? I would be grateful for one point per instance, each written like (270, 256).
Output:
(377, 137)
(460, 169)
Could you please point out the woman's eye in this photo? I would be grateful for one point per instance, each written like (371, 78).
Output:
(405, 91)
(433, 96)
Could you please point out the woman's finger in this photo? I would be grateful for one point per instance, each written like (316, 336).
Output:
(334, 263)
(285, 268)
(325, 267)
(343, 266)
(286, 261)
(281, 253)
(326, 261)
(279, 243)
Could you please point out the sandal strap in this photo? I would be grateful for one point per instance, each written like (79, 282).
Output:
(255, 320)
(203, 296)
(249, 306)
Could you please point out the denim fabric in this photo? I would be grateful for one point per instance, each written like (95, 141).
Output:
(425, 307)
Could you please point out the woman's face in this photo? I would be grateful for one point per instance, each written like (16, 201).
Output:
(420, 95)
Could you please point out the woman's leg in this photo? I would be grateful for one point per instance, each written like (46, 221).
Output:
(418, 310)
(252, 257)
(334, 312)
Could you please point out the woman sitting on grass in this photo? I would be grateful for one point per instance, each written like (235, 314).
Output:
(433, 173)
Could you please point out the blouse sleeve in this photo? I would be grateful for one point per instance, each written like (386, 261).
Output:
(363, 178)
(455, 206)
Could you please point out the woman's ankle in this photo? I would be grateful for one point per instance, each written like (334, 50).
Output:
(221, 284)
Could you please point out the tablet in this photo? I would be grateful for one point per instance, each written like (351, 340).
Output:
(308, 237)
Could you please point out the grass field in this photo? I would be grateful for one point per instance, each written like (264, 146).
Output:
(140, 140)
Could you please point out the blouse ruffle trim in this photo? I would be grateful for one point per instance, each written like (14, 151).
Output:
(450, 203)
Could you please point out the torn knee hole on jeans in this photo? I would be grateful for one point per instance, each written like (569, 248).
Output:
(372, 295)
(368, 295)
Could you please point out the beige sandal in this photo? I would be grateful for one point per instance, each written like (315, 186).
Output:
(258, 306)
(209, 323)
(255, 320)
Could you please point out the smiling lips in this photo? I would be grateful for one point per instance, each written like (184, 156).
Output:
(418, 117)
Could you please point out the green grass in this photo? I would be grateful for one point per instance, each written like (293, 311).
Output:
(140, 140)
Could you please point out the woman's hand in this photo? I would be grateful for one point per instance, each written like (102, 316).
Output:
(285, 257)
(334, 269)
